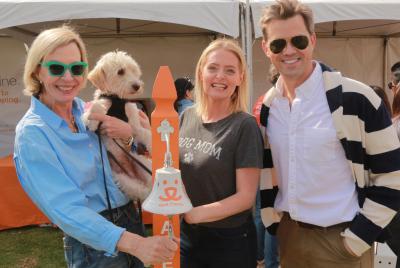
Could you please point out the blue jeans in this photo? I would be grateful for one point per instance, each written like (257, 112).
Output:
(79, 255)
(205, 247)
(267, 245)
(271, 251)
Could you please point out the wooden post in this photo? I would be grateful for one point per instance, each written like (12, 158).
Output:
(164, 95)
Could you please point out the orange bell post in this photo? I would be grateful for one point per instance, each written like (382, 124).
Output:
(164, 95)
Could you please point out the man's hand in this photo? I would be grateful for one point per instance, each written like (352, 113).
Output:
(348, 248)
(150, 250)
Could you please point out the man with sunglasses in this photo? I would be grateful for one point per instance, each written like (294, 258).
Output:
(335, 152)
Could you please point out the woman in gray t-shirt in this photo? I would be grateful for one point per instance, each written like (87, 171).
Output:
(220, 159)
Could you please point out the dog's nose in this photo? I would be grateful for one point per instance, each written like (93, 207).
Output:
(135, 87)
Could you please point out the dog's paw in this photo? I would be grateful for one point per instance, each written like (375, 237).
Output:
(93, 125)
(90, 124)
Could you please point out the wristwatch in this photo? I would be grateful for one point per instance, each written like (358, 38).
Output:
(128, 141)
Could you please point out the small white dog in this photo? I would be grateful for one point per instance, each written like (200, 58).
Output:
(117, 79)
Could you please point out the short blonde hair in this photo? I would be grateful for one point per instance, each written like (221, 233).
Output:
(45, 43)
(240, 96)
(285, 9)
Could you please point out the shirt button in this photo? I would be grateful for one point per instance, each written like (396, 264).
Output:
(90, 145)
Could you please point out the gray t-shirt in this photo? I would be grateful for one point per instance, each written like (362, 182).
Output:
(210, 153)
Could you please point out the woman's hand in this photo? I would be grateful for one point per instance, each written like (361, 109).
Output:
(247, 180)
(150, 250)
(112, 127)
(193, 216)
(144, 120)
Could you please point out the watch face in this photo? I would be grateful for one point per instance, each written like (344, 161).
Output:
(129, 141)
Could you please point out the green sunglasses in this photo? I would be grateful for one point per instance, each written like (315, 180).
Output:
(57, 68)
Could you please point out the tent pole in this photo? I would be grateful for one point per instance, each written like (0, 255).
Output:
(249, 54)
(385, 64)
(242, 28)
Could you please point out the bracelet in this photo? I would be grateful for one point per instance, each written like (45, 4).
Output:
(128, 141)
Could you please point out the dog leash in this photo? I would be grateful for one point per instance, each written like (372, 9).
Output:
(137, 203)
(133, 158)
(104, 177)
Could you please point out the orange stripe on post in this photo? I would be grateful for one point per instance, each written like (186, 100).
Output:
(164, 96)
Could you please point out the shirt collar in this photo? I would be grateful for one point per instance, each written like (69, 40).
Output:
(50, 117)
(308, 87)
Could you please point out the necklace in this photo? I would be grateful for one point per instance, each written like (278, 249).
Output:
(72, 125)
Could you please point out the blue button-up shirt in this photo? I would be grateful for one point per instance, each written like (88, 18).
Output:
(62, 173)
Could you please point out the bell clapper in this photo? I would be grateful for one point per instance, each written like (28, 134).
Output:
(170, 229)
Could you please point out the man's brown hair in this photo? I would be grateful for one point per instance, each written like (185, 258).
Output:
(285, 9)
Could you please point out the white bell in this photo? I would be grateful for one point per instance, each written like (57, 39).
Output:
(168, 196)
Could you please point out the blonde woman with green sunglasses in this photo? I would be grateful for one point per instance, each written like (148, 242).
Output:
(59, 162)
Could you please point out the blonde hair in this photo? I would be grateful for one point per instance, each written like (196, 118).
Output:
(45, 43)
(285, 9)
(240, 96)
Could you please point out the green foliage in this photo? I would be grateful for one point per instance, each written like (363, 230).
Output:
(29, 247)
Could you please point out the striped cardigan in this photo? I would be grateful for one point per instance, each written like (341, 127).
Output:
(372, 149)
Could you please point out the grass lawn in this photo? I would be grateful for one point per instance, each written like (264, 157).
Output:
(34, 247)
(31, 247)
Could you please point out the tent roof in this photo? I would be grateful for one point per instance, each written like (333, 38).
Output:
(220, 16)
(377, 15)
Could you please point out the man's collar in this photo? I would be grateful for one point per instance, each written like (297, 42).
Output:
(307, 88)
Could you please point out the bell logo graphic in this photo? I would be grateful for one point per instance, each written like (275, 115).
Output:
(170, 193)
(168, 196)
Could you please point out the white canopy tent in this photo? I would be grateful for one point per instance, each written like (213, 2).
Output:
(339, 10)
(220, 16)
(154, 32)
(359, 37)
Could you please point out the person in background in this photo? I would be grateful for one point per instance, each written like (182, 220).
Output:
(220, 149)
(59, 162)
(333, 148)
(184, 92)
(394, 84)
(396, 113)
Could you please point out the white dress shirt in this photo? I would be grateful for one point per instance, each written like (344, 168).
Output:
(314, 177)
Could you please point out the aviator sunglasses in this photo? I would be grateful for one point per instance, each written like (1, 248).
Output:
(298, 41)
(57, 68)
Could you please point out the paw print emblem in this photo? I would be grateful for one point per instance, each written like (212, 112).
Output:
(188, 158)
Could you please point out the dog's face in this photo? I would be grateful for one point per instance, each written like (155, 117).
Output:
(117, 73)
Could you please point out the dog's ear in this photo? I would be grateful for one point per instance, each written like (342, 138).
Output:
(98, 78)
